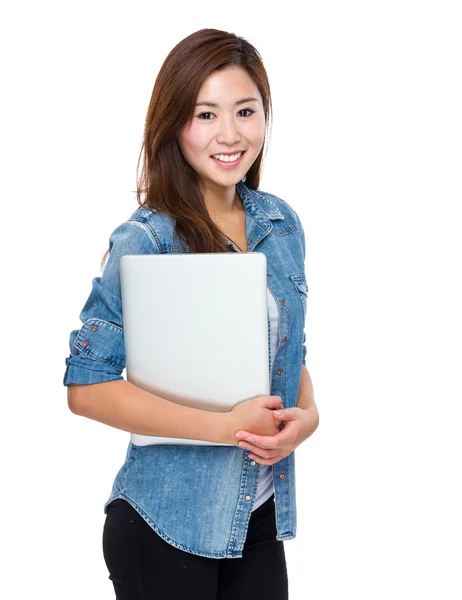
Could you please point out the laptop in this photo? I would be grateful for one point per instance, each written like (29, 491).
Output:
(196, 330)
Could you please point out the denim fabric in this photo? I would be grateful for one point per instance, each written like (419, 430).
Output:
(179, 488)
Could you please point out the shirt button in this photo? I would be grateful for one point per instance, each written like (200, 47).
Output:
(252, 463)
(281, 476)
(285, 339)
(94, 327)
(85, 342)
(283, 302)
(247, 497)
(280, 372)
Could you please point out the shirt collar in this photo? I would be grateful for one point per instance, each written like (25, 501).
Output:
(260, 208)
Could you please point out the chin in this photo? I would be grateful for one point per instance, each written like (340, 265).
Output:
(225, 180)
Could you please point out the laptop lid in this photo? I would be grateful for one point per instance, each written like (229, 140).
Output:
(196, 329)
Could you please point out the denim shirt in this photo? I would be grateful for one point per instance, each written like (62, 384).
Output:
(199, 498)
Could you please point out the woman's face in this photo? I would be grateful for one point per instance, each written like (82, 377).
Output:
(230, 126)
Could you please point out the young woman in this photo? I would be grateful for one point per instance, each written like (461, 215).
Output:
(175, 509)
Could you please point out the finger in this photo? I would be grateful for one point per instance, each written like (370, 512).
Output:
(266, 461)
(261, 441)
(283, 439)
(260, 452)
(264, 441)
(241, 434)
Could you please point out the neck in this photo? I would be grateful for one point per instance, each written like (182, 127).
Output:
(222, 202)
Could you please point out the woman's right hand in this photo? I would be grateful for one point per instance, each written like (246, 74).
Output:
(255, 416)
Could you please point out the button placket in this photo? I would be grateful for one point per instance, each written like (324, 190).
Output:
(284, 300)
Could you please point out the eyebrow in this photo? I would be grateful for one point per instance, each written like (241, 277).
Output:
(243, 101)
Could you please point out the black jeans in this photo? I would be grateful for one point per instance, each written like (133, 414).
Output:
(143, 566)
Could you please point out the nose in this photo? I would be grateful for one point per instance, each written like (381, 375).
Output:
(228, 131)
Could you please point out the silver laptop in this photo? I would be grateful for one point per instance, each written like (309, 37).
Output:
(196, 330)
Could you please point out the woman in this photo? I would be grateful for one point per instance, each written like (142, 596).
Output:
(175, 509)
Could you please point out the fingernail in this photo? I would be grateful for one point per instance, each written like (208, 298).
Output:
(251, 440)
(239, 436)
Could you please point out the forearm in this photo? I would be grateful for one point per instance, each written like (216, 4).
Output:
(305, 398)
(123, 405)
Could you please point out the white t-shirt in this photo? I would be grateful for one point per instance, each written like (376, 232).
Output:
(265, 481)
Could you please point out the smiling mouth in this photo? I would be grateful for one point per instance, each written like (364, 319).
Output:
(228, 158)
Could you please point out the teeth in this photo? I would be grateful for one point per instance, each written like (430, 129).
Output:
(225, 158)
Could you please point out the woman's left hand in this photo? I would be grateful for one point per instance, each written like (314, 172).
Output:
(299, 424)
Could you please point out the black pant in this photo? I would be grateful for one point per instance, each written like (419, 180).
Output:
(143, 566)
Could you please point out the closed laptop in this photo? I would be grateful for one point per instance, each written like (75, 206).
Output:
(196, 329)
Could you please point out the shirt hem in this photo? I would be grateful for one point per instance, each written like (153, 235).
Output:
(167, 538)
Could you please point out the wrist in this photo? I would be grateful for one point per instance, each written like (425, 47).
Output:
(225, 428)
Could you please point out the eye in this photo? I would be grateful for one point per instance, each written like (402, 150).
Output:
(205, 113)
(248, 110)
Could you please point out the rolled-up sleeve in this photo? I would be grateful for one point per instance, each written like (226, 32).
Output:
(97, 349)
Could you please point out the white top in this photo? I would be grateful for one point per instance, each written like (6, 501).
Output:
(265, 482)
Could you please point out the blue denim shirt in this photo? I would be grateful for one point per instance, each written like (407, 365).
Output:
(199, 498)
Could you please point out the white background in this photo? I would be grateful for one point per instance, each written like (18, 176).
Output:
(366, 146)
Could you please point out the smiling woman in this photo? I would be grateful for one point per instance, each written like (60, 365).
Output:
(175, 509)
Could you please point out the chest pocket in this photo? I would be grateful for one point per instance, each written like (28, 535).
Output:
(299, 281)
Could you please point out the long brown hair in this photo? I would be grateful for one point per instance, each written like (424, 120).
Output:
(167, 182)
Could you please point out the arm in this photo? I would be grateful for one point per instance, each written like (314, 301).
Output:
(305, 397)
(96, 388)
(123, 405)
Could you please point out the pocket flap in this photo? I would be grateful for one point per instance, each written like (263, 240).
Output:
(299, 280)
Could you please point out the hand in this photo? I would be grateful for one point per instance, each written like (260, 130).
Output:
(254, 415)
(299, 424)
